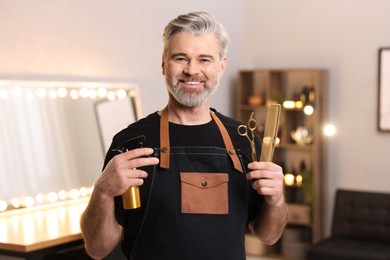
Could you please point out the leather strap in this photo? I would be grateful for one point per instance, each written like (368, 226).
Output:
(164, 139)
(165, 146)
(228, 143)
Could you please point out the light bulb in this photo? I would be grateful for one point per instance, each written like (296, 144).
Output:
(3, 205)
(74, 94)
(289, 179)
(121, 93)
(62, 92)
(308, 110)
(102, 92)
(84, 92)
(329, 130)
(41, 92)
(52, 197)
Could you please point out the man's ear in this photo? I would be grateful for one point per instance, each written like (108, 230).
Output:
(223, 65)
(163, 64)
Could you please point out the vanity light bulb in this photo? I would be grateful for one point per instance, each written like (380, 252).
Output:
(15, 202)
(41, 92)
(62, 195)
(62, 92)
(92, 94)
(74, 94)
(308, 110)
(52, 197)
(84, 92)
(74, 194)
(299, 180)
(110, 96)
(40, 198)
(17, 92)
(3, 205)
(121, 93)
(83, 192)
(52, 93)
(102, 92)
(28, 202)
(4, 94)
(289, 104)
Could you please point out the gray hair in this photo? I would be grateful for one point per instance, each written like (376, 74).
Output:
(197, 23)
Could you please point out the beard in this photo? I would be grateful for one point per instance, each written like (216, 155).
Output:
(191, 97)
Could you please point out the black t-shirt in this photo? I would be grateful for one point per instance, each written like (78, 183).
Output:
(180, 135)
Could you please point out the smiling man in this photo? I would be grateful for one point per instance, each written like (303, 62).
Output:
(199, 187)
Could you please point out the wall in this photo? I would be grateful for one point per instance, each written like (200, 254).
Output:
(343, 37)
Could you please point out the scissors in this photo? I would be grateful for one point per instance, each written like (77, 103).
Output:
(243, 131)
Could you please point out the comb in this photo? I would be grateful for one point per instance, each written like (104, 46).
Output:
(270, 132)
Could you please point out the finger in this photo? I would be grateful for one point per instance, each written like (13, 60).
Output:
(136, 153)
(136, 174)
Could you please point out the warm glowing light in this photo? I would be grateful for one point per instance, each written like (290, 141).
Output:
(29, 94)
(74, 94)
(52, 93)
(329, 130)
(289, 179)
(62, 92)
(92, 94)
(3, 205)
(74, 194)
(299, 179)
(102, 92)
(28, 202)
(308, 110)
(84, 92)
(41, 92)
(83, 192)
(62, 195)
(17, 92)
(110, 95)
(4, 94)
(288, 104)
(40, 198)
(15, 202)
(52, 197)
(121, 93)
(298, 104)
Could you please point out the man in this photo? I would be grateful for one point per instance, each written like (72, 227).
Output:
(199, 188)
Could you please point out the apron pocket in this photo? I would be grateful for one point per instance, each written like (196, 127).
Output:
(204, 193)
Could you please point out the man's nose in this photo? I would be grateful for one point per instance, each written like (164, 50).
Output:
(191, 68)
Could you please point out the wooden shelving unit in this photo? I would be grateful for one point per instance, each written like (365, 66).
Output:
(300, 88)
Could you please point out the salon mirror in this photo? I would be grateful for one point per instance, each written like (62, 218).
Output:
(54, 135)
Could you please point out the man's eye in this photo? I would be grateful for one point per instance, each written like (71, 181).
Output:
(181, 59)
(205, 60)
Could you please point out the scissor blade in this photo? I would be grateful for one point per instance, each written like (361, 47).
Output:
(270, 132)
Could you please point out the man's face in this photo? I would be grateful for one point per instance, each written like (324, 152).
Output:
(192, 68)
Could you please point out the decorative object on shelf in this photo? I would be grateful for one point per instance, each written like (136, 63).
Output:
(384, 90)
(256, 100)
(302, 136)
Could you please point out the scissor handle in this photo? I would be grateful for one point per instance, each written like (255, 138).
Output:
(252, 124)
(242, 130)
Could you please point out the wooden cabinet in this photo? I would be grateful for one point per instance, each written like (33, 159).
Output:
(302, 150)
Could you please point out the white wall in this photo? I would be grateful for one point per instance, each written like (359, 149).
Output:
(120, 40)
(343, 37)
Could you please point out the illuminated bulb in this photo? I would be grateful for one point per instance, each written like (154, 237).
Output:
(41, 92)
(15, 202)
(289, 104)
(52, 197)
(52, 93)
(40, 198)
(289, 179)
(110, 96)
(84, 92)
(132, 93)
(74, 94)
(29, 94)
(298, 104)
(329, 130)
(17, 92)
(28, 202)
(74, 194)
(4, 94)
(299, 180)
(3, 205)
(83, 192)
(121, 93)
(102, 92)
(62, 195)
(308, 110)
(62, 92)
(92, 94)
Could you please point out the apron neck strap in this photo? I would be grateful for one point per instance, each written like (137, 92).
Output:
(165, 146)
